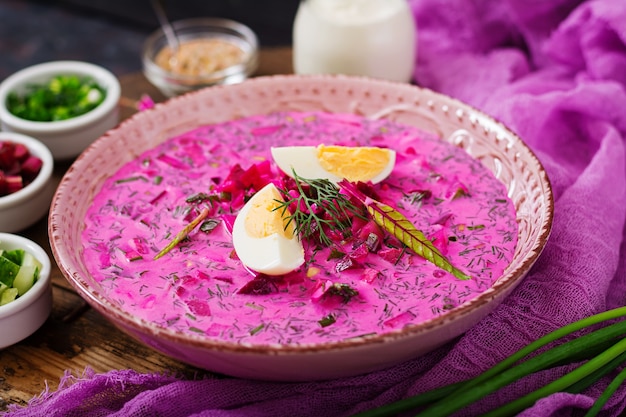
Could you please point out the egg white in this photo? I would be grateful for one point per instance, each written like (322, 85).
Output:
(273, 254)
(304, 161)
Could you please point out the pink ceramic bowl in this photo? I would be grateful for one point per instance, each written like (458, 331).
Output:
(481, 136)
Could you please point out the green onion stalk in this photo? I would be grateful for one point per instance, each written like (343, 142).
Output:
(598, 353)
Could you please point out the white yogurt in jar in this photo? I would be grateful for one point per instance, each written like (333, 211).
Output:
(375, 38)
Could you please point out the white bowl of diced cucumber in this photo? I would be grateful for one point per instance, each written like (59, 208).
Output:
(25, 288)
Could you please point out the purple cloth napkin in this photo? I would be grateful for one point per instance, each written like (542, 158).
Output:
(553, 71)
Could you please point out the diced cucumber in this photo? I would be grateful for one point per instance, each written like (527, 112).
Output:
(8, 295)
(18, 272)
(16, 255)
(25, 278)
(28, 260)
(8, 270)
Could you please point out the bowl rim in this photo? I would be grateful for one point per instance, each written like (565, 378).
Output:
(247, 66)
(113, 311)
(38, 149)
(42, 283)
(103, 76)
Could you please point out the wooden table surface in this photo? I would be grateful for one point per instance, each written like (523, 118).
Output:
(75, 336)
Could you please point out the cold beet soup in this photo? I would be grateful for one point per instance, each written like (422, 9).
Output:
(184, 195)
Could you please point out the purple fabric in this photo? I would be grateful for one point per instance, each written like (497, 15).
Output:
(555, 72)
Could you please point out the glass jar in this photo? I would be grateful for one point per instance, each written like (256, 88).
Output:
(375, 38)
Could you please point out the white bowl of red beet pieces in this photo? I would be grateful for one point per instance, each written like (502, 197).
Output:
(26, 186)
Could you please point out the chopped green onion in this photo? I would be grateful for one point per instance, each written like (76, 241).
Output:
(63, 97)
(183, 233)
(257, 329)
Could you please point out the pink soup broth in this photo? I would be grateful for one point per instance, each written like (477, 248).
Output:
(197, 286)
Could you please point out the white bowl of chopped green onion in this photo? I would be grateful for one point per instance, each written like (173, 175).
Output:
(65, 104)
(25, 288)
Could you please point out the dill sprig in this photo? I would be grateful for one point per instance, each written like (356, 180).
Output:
(320, 207)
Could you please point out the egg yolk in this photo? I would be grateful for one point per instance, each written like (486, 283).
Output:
(353, 163)
(266, 217)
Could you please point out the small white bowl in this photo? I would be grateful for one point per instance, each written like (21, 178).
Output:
(23, 316)
(65, 138)
(201, 29)
(25, 207)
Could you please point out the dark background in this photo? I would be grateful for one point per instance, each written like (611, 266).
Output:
(111, 32)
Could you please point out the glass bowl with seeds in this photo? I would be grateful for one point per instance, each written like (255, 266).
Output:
(209, 51)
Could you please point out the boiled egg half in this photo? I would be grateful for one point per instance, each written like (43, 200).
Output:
(358, 163)
(263, 238)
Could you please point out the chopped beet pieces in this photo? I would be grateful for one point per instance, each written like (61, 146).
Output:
(260, 285)
(18, 167)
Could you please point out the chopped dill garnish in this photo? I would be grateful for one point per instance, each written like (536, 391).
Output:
(476, 227)
(320, 208)
(345, 291)
(131, 179)
(327, 320)
(257, 329)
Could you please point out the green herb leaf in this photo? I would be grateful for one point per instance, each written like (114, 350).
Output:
(209, 225)
(395, 223)
(335, 254)
(131, 179)
(345, 291)
(257, 329)
(327, 320)
(316, 196)
(183, 233)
